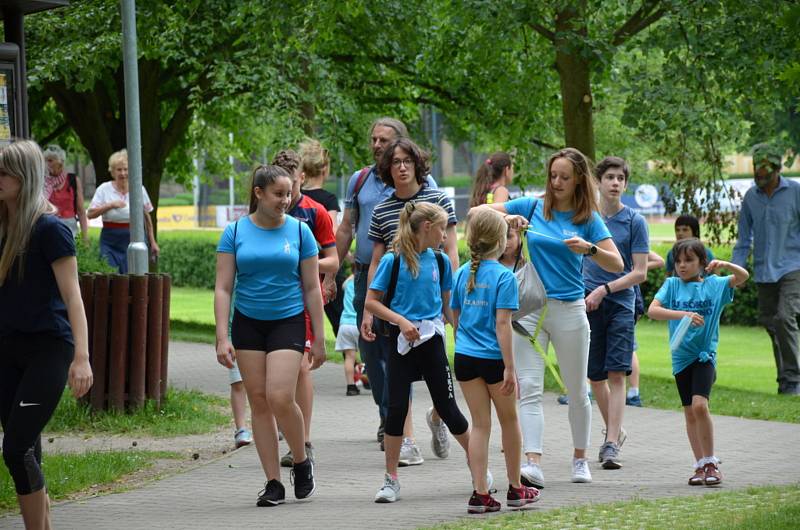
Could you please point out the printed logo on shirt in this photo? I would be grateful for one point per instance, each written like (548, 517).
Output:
(701, 307)
(23, 404)
(436, 275)
(287, 248)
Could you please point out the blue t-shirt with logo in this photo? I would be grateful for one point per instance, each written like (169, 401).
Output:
(417, 298)
(348, 312)
(707, 297)
(495, 288)
(630, 234)
(268, 283)
(559, 268)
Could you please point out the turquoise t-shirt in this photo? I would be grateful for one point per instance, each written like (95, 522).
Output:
(559, 268)
(417, 298)
(348, 315)
(268, 285)
(495, 288)
(706, 298)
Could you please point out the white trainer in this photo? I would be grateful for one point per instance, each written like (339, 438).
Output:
(531, 475)
(410, 454)
(580, 470)
(440, 437)
(390, 492)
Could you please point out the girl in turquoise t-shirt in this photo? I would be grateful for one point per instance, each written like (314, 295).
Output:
(416, 330)
(484, 296)
(693, 305)
(562, 229)
(273, 258)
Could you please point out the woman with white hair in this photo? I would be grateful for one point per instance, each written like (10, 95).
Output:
(65, 192)
(43, 333)
(112, 201)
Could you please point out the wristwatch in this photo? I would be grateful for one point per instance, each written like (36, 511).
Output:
(592, 251)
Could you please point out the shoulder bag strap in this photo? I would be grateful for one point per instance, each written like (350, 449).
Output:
(387, 299)
(440, 264)
(523, 238)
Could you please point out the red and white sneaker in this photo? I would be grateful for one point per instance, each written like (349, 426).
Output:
(520, 497)
(480, 503)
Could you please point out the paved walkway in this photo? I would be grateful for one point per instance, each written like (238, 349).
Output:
(222, 493)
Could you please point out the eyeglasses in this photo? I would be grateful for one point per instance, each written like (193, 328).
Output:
(406, 162)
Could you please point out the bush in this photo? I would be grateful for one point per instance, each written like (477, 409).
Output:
(190, 257)
(89, 259)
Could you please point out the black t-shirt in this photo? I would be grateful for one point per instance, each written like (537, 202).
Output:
(325, 198)
(34, 305)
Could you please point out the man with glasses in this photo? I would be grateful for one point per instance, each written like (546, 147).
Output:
(769, 222)
(365, 190)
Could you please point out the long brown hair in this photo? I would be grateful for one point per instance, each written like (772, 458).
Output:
(489, 172)
(584, 202)
(486, 237)
(411, 218)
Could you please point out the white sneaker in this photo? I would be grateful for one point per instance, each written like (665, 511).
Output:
(390, 491)
(580, 470)
(410, 454)
(531, 475)
(440, 437)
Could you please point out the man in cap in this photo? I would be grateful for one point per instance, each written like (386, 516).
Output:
(769, 223)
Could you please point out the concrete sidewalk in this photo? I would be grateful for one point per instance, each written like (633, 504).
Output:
(349, 467)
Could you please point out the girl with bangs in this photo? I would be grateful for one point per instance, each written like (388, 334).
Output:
(421, 294)
(562, 229)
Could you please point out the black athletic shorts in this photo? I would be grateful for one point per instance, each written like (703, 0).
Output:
(468, 368)
(268, 335)
(695, 380)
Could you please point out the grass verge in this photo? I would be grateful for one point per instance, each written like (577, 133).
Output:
(764, 508)
(70, 473)
(182, 412)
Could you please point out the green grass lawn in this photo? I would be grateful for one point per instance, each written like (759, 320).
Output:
(69, 473)
(745, 373)
(768, 507)
(181, 412)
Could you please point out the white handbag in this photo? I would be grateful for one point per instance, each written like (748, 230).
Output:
(532, 295)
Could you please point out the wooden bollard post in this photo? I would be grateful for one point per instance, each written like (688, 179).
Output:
(165, 293)
(155, 287)
(118, 357)
(99, 345)
(138, 319)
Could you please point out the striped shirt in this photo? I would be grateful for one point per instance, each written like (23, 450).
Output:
(386, 215)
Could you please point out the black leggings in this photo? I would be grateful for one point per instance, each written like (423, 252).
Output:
(428, 360)
(33, 372)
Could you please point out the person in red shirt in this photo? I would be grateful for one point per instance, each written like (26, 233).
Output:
(65, 192)
(308, 210)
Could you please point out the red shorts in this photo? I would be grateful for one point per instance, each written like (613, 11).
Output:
(309, 332)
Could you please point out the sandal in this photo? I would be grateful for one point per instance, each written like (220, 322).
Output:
(713, 477)
(699, 477)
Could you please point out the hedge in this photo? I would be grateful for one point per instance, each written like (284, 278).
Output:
(190, 257)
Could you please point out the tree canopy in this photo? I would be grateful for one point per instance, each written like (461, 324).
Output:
(676, 81)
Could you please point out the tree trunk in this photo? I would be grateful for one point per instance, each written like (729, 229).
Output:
(574, 72)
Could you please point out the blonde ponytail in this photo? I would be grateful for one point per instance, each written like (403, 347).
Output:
(411, 218)
(486, 237)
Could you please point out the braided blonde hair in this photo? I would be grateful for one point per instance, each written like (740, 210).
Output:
(486, 237)
(411, 218)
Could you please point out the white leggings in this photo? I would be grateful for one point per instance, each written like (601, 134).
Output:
(567, 327)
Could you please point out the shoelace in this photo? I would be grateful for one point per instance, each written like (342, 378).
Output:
(581, 466)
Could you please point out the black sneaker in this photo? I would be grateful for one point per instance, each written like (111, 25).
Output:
(273, 494)
(352, 390)
(302, 476)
